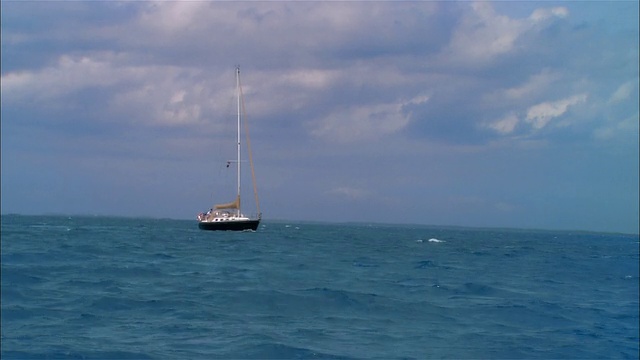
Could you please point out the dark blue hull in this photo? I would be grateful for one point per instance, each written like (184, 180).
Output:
(230, 225)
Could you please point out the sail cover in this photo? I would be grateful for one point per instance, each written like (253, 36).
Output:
(232, 205)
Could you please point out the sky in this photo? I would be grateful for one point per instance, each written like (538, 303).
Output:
(480, 114)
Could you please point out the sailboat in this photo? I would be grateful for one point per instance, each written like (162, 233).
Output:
(228, 216)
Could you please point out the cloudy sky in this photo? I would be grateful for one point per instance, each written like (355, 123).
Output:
(491, 114)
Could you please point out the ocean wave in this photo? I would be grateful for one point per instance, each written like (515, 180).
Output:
(13, 276)
(342, 297)
(432, 240)
(425, 264)
(273, 350)
(123, 288)
(71, 354)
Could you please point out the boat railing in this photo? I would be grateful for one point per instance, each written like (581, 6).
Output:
(254, 216)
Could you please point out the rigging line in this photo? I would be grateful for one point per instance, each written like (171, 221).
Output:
(246, 130)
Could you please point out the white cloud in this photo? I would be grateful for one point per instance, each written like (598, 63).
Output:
(533, 86)
(178, 111)
(623, 92)
(419, 100)
(15, 86)
(169, 17)
(540, 115)
(69, 74)
(146, 93)
(483, 34)
(505, 125)
(311, 78)
(539, 15)
(273, 29)
(365, 122)
(625, 127)
(361, 123)
(157, 102)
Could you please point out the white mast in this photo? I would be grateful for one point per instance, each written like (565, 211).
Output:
(238, 89)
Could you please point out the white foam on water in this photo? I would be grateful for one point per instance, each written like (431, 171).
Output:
(436, 240)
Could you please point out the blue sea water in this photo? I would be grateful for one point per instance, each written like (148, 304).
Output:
(124, 288)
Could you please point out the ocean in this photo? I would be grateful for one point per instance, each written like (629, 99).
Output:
(128, 288)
